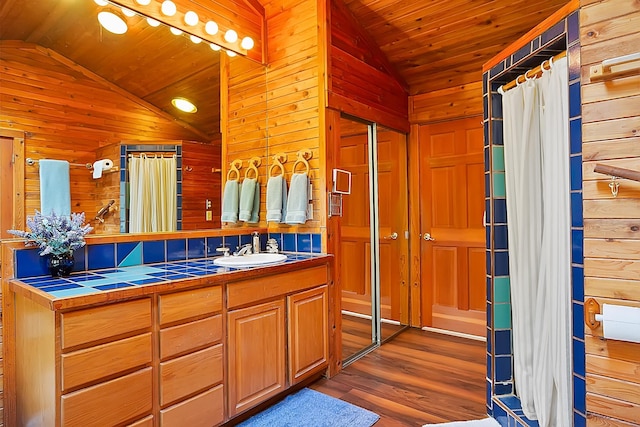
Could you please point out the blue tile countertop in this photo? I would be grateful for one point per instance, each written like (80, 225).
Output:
(99, 282)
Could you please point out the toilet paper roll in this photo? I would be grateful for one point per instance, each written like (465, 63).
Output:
(100, 166)
(620, 322)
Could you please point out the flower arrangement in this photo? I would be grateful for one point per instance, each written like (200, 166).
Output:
(55, 234)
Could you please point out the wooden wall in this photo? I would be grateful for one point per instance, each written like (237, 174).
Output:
(446, 104)
(277, 110)
(67, 113)
(610, 124)
(361, 81)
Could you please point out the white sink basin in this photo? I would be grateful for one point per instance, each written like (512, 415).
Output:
(251, 260)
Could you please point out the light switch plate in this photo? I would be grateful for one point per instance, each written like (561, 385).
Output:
(209, 216)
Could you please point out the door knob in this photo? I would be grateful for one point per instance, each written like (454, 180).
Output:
(428, 237)
(392, 236)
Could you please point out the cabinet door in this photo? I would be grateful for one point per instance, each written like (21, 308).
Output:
(256, 354)
(308, 334)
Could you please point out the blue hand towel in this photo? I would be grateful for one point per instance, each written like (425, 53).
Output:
(55, 192)
(276, 199)
(230, 200)
(298, 199)
(246, 199)
(255, 210)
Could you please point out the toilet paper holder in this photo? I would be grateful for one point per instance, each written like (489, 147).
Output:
(591, 309)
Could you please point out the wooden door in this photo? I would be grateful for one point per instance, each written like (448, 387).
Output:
(6, 186)
(308, 332)
(451, 208)
(356, 232)
(256, 355)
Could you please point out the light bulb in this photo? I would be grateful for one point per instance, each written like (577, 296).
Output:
(195, 39)
(101, 2)
(183, 104)
(143, 2)
(191, 18)
(215, 47)
(231, 36)
(128, 12)
(112, 22)
(175, 31)
(247, 43)
(231, 53)
(152, 22)
(211, 28)
(168, 8)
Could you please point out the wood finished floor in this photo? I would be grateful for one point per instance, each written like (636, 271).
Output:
(419, 377)
(356, 334)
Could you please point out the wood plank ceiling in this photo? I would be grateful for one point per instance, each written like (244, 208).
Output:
(151, 63)
(436, 44)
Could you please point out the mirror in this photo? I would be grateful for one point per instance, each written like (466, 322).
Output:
(81, 93)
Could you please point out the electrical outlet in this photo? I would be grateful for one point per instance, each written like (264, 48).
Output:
(209, 215)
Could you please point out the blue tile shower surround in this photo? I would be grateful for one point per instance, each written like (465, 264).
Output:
(92, 282)
(28, 262)
(501, 403)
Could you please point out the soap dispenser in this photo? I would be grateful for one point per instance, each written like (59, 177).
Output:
(256, 242)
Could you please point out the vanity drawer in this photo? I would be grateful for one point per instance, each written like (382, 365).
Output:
(189, 336)
(145, 422)
(188, 374)
(99, 323)
(189, 304)
(93, 363)
(205, 409)
(109, 403)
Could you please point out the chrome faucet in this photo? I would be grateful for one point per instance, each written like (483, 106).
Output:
(244, 250)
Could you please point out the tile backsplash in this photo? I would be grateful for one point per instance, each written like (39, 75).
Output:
(29, 263)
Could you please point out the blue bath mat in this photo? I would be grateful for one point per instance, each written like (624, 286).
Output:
(309, 408)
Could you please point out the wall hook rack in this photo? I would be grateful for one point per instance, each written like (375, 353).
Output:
(236, 165)
(278, 161)
(303, 159)
(254, 162)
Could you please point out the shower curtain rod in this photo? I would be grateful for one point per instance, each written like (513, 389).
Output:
(535, 72)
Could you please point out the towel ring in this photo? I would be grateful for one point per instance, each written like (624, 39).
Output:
(278, 160)
(236, 165)
(253, 167)
(303, 157)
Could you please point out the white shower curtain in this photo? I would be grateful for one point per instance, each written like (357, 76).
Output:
(536, 150)
(152, 194)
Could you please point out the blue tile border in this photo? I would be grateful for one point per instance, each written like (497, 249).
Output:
(506, 409)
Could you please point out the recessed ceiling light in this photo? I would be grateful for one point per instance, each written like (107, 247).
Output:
(184, 105)
(191, 18)
(211, 28)
(231, 36)
(168, 8)
(175, 31)
(247, 43)
(112, 22)
(153, 22)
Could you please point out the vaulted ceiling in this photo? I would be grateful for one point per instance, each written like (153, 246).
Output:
(435, 44)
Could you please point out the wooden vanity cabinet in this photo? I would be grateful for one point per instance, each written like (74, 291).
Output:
(191, 358)
(277, 335)
(105, 364)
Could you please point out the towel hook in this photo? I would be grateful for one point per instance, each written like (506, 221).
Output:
(614, 185)
(303, 157)
(253, 167)
(236, 165)
(278, 160)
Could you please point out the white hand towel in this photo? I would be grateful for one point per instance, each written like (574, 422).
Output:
(298, 199)
(246, 199)
(255, 211)
(276, 199)
(55, 191)
(230, 200)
